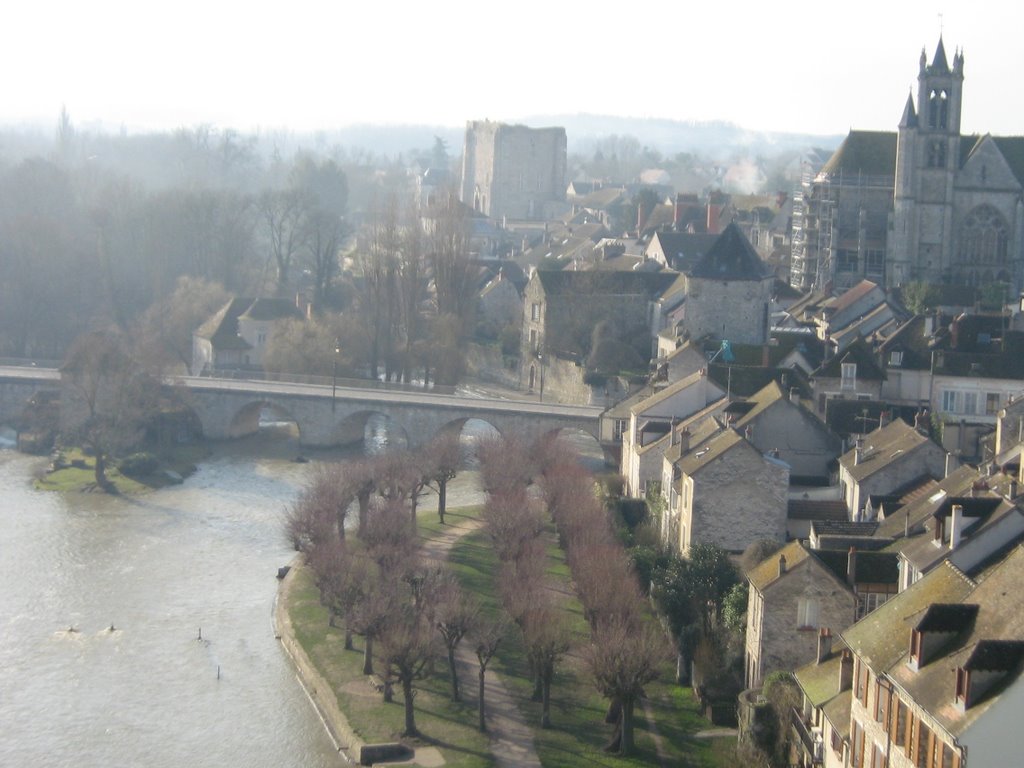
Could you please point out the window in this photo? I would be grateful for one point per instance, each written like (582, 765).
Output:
(874, 262)
(950, 401)
(881, 702)
(846, 260)
(857, 746)
(849, 376)
(970, 403)
(992, 403)
(937, 154)
(899, 734)
(533, 340)
(862, 675)
(807, 613)
(923, 741)
(983, 237)
(896, 358)
(535, 311)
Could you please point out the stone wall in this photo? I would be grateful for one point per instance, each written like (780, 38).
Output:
(485, 362)
(736, 310)
(738, 498)
(513, 170)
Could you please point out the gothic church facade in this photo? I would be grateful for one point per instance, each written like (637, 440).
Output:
(958, 202)
(924, 204)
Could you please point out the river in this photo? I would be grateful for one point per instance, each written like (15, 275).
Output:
(74, 692)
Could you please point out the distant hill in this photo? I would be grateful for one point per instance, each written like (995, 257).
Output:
(584, 130)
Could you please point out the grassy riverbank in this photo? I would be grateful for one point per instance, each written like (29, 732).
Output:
(578, 733)
(74, 470)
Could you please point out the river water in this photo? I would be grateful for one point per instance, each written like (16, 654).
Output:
(157, 568)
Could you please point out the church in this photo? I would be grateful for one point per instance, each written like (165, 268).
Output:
(939, 206)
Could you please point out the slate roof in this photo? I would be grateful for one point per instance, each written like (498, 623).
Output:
(602, 283)
(673, 389)
(271, 309)
(844, 527)
(813, 510)
(731, 257)
(882, 447)
(222, 329)
(882, 637)
(766, 573)
(683, 249)
(860, 354)
(871, 153)
(869, 567)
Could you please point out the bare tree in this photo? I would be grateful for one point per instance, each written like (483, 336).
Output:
(622, 659)
(457, 614)
(167, 326)
(408, 645)
(487, 637)
(281, 212)
(446, 459)
(111, 395)
(547, 640)
(345, 578)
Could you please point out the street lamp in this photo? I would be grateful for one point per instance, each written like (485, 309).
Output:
(540, 359)
(334, 373)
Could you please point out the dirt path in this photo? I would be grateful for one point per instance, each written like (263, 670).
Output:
(511, 738)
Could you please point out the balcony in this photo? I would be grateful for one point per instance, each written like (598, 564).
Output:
(811, 739)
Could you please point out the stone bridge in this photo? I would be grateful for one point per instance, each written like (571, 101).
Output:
(326, 416)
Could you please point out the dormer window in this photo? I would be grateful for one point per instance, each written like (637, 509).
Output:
(849, 376)
(896, 358)
(988, 665)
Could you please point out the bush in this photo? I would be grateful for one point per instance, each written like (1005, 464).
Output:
(138, 464)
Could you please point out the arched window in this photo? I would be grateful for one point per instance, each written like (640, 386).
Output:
(983, 237)
(938, 109)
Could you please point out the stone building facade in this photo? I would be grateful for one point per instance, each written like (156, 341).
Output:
(512, 171)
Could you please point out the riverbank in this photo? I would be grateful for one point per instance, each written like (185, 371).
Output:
(317, 689)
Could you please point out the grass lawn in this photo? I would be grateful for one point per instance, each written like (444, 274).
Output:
(83, 477)
(579, 733)
(448, 725)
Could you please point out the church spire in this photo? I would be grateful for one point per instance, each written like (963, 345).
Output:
(939, 62)
(909, 113)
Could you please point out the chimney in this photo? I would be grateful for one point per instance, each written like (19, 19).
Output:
(956, 526)
(845, 671)
(683, 439)
(824, 644)
(929, 325)
(749, 432)
(858, 452)
(950, 464)
(851, 566)
(794, 395)
(782, 565)
(765, 356)
(1011, 491)
(883, 418)
(954, 331)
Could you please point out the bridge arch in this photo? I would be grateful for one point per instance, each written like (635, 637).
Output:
(263, 414)
(471, 430)
(374, 430)
(582, 442)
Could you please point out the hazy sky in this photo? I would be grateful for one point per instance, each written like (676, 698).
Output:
(816, 66)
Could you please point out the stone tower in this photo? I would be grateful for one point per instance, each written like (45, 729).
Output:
(927, 160)
(513, 171)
